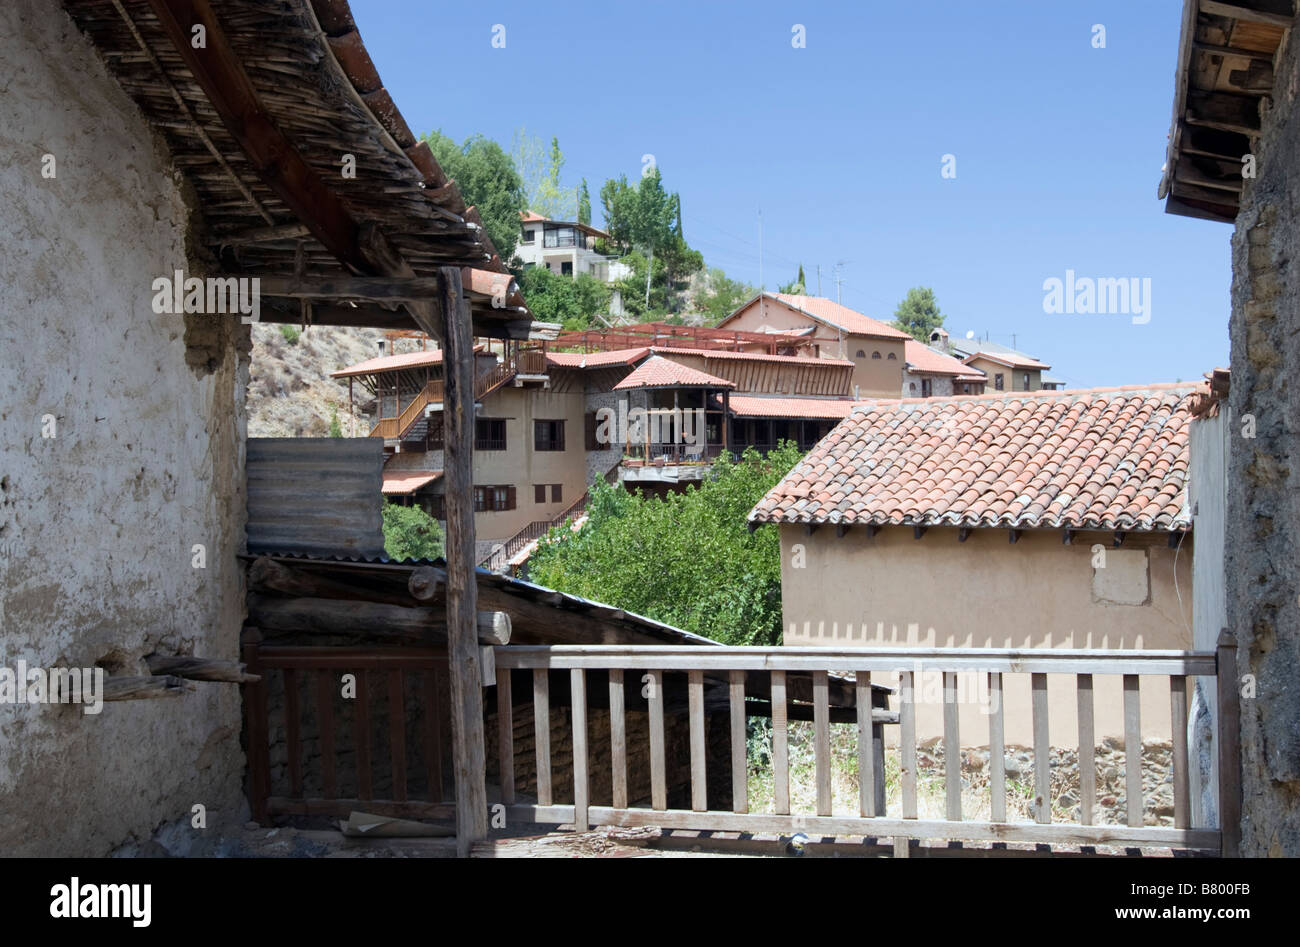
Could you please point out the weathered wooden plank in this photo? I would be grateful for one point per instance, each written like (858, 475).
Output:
(506, 737)
(822, 742)
(581, 784)
(361, 736)
(397, 732)
(1042, 750)
(617, 740)
(728, 658)
(542, 734)
(440, 705)
(780, 746)
(1133, 748)
(1178, 724)
(699, 757)
(259, 751)
(951, 748)
(907, 741)
(325, 722)
(1229, 737)
(997, 750)
(866, 748)
(655, 700)
(1087, 752)
(739, 765)
(293, 733)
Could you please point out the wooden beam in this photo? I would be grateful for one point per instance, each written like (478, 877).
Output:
(1013, 535)
(1119, 538)
(841, 530)
(200, 669)
(469, 754)
(963, 534)
(872, 529)
(371, 289)
(918, 531)
(1242, 11)
(144, 688)
(1067, 537)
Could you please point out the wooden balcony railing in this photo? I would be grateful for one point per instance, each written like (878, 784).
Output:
(433, 393)
(731, 674)
(531, 362)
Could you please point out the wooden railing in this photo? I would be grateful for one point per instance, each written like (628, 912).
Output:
(728, 667)
(531, 362)
(433, 393)
(382, 679)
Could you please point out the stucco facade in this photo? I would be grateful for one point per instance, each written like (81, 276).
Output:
(1014, 379)
(100, 521)
(895, 591)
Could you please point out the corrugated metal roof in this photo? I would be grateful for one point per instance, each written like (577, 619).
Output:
(315, 495)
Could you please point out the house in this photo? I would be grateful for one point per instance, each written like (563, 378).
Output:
(832, 331)
(124, 480)
(1026, 520)
(1006, 368)
(566, 247)
(930, 373)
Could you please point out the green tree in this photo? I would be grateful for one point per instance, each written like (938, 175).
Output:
(918, 314)
(540, 169)
(573, 301)
(410, 533)
(488, 180)
(722, 296)
(336, 429)
(584, 204)
(688, 560)
(796, 287)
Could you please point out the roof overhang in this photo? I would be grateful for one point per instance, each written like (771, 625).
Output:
(1224, 80)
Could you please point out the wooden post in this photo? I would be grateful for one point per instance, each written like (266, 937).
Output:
(1229, 746)
(259, 753)
(468, 752)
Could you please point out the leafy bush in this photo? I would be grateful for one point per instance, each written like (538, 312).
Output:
(688, 560)
(410, 533)
(336, 427)
(290, 334)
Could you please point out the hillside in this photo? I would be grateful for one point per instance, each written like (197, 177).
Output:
(290, 393)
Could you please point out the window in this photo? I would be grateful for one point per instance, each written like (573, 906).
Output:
(875, 355)
(590, 427)
(528, 236)
(548, 435)
(557, 493)
(490, 434)
(1026, 381)
(566, 268)
(539, 493)
(494, 499)
(893, 357)
(861, 354)
(559, 237)
(997, 382)
(435, 436)
(927, 387)
(911, 386)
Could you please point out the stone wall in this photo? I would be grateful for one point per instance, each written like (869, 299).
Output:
(1263, 480)
(98, 522)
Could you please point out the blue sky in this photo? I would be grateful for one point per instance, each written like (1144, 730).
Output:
(1058, 147)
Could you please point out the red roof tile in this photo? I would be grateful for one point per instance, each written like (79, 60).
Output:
(1105, 458)
(405, 482)
(1011, 359)
(926, 361)
(659, 372)
(670, 350)
(388, 363)
(850, 320)
(753, 406)
(596, 359)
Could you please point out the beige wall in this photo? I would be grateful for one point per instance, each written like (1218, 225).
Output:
(1014, 377)
(895, 591)
(522, 466)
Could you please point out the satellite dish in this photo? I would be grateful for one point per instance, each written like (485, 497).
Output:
(970, 334)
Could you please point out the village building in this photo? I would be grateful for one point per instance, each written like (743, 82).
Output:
(566, 247)
(1005, 368)
(932, 374)
(1026, 521)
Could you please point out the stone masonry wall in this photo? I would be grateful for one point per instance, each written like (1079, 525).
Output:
(1263, 479)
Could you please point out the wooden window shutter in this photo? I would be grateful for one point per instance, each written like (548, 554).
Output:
(510, 497)
(589, 423)
(539, 493)
(557, 493)
(559, 431)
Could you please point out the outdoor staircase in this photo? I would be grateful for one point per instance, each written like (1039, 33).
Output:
(412, 424)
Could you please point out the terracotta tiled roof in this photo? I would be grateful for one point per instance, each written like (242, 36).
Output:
(1011, 359)
(596, 359)
(659, 372)
(751, 406)
(1104, 458)
(850, 320)
(390, 363)
(670, 350)
(926, 361)
(405, 482)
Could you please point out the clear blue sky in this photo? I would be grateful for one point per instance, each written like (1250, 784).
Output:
(1058, 147)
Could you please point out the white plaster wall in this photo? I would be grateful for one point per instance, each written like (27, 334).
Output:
(97, 524)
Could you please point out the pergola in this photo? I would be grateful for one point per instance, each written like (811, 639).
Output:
(306, 177)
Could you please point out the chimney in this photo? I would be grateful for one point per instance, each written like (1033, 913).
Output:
(939, 339)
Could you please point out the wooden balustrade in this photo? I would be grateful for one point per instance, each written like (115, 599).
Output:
(773, 673)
